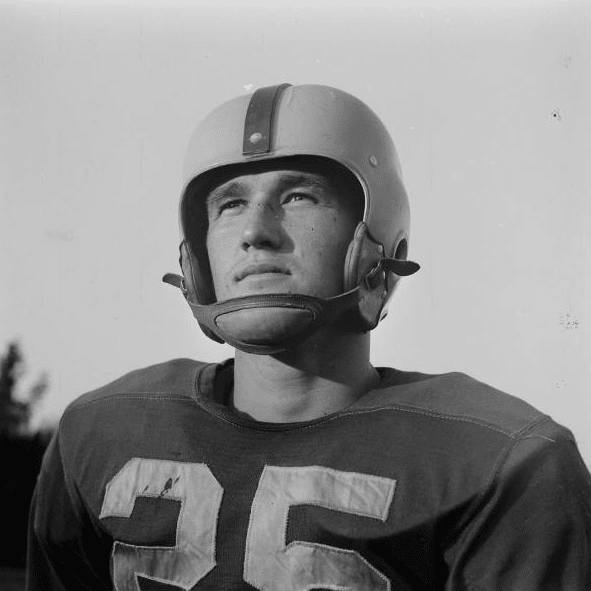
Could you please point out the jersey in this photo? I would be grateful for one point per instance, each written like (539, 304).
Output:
(426, 482)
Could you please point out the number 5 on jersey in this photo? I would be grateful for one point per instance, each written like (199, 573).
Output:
(269, 564)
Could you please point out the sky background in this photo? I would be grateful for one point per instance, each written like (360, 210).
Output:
(489, 108)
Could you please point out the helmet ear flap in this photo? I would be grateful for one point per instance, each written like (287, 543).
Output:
(197, 279)
(351, 270)
(192, 279)
(194, 259)
(364, 255)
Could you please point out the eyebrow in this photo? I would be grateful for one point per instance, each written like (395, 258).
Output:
(231, 189)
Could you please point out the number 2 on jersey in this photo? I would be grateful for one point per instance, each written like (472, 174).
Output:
(269, 564)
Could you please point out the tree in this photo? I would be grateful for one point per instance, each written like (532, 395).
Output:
(21, 452)
(15, 409)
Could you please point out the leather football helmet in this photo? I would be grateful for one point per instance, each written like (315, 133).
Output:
(282, 122)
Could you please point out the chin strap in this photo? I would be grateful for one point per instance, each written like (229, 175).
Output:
(232, 320)
(229, 319)
(289, 319)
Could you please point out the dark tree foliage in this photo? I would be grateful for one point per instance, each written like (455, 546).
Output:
(15, 413)
(21, 452)
(21, 459)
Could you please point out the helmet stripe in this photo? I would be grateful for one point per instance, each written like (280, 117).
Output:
(258, 124)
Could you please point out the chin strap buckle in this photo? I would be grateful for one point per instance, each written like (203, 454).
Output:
(400, 267)
(176, 281)
(397, 266)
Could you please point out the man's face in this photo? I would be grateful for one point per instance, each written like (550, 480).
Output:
(281, 230)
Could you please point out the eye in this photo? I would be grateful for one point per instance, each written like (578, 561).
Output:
(227, 206)
(299, 197)
(231, 204)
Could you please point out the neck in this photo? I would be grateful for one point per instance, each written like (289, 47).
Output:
(323, 375)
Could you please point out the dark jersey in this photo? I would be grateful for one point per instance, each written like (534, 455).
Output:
(426, 482)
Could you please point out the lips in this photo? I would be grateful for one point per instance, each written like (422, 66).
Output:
(259, 269)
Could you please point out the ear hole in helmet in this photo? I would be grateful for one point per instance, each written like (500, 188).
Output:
(400, 253)
(401, 250)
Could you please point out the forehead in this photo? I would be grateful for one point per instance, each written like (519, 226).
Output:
(273, 179)
(319, 172)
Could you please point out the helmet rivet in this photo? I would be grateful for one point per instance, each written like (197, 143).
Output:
(256, 137)
(373, 160)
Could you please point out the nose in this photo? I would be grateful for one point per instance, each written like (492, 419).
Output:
(262, 227)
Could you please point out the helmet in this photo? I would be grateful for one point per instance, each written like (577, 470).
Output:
(285, 121)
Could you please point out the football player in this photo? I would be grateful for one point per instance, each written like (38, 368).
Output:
(297, 465)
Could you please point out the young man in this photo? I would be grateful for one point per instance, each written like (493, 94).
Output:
(298, 465)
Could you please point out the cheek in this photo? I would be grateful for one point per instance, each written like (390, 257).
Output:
(332, 237)
(217, 254)
(325, 248)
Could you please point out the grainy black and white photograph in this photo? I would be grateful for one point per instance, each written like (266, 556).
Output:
(295, 297)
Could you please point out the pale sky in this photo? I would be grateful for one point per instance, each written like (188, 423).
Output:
(489, 108)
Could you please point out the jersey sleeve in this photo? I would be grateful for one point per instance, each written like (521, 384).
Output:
(65, 550)
(531, 530)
